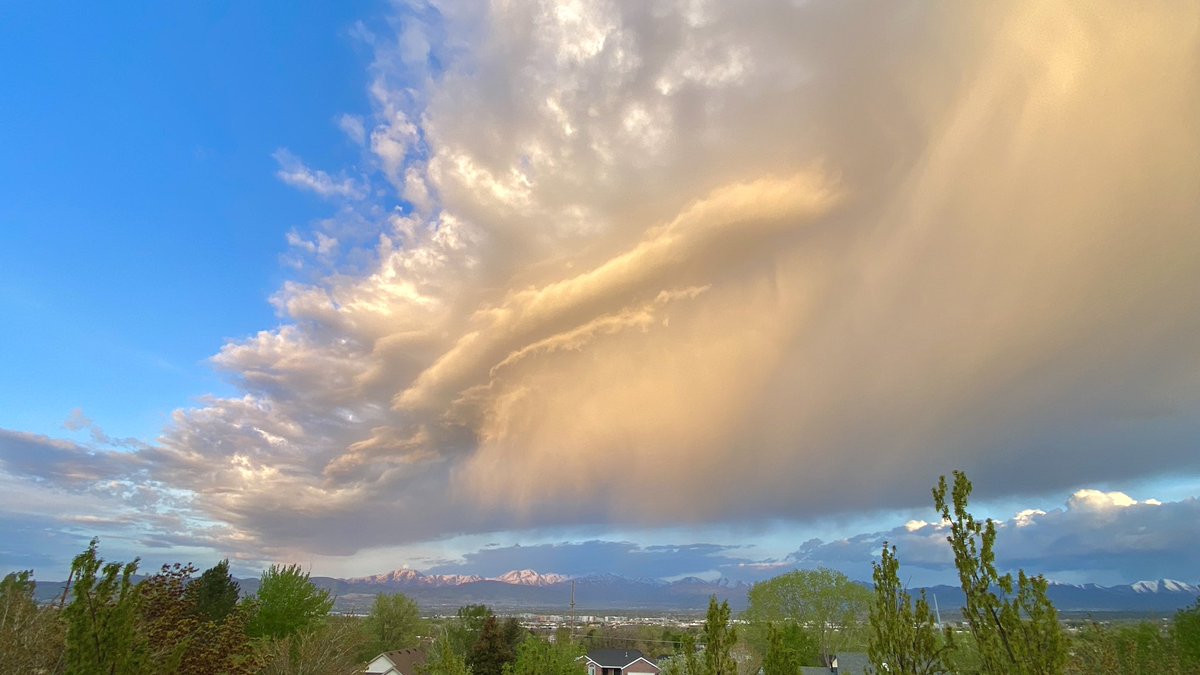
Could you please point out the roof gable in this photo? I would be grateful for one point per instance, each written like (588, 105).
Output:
(616, 658)
(403, 661)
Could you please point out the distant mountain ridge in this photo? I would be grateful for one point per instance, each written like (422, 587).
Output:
(409, 577)
(531, 591)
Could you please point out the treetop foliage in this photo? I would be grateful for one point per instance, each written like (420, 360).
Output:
(288, 602)
(826, 600)
(905, 638)
(719, 638)
(31, 637)
(102, 629)
(1014, 634)
(214, 594)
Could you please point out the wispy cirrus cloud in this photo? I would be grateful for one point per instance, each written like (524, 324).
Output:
(294, 172)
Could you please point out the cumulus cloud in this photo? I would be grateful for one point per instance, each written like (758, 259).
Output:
(1095, 536)
(659, 263)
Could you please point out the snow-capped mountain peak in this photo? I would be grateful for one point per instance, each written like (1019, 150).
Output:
(1164, 586)
(530, 578)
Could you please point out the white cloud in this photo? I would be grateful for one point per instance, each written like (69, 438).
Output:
(352, 126)
(1096, 500)
(293, 172)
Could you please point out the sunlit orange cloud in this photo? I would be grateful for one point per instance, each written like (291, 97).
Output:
(695, 262)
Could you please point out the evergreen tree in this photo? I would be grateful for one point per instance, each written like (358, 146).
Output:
(102, 618)
(214, 594)
(904, 639)
(719, 639)
(1017, 634)
(492, 651)
(514, 634)
(182, 639)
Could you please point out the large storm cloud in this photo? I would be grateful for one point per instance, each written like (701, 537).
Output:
(672, 262)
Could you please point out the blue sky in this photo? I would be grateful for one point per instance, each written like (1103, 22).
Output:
(672, 286)
(142, 221)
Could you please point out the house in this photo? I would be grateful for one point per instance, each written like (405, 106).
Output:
(618, 662)
(398, 662)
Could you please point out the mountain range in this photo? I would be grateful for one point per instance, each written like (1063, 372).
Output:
(531, 591)
(528, 590)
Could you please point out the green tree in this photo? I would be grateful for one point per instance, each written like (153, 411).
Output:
(1015, 634)
(288, 602)
(463, 632)
(904, 639)
(1185, 631)
(778, 660)
(444, 661)
(182, 639)
(535, 656)
(102, 618)
(394, 622)
(719, 638)
(492, 651)
(318, 649)
(691, 657)
(214, 594)
(32, 638)
(1139, 649)
(823, 599)
(789, 647)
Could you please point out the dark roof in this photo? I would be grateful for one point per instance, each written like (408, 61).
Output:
(614, 658)
(406, 660)
(854, 662)
(848, 662)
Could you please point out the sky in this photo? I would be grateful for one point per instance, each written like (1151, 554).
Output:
(656, 289)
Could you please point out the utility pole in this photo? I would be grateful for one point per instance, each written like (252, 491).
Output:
(572, 608)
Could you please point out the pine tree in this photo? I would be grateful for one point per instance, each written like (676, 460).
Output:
(181, 638)
(492, 651)
(214, 594)
(719, 639)
(1017, 634)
